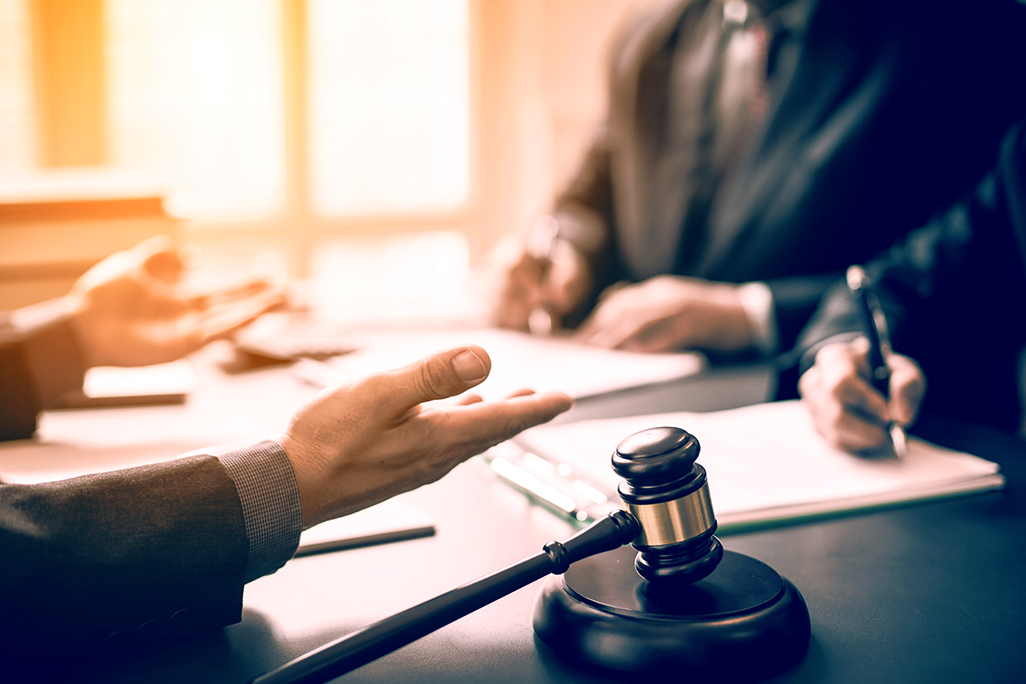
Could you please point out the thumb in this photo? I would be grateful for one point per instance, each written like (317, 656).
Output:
(908, 386)
(443, 374)
(160, 259)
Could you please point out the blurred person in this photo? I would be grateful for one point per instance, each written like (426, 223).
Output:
(161, 550)
(953, 297)
(752, 151)
(134, 308)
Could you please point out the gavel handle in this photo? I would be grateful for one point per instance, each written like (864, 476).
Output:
(362, 646)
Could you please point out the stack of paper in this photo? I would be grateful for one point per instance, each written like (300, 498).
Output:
(520, 361)
(765, 463)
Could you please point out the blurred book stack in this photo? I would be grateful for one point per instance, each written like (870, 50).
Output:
(55, 225)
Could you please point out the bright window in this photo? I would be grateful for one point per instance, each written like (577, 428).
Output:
(377, 120)
(17, 128)
(195, 99)
(389, 105)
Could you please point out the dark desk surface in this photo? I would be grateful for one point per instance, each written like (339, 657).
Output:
(926, 593)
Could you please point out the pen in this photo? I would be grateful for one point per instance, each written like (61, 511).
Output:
(552, 484)
(540, 243)
(875, 324)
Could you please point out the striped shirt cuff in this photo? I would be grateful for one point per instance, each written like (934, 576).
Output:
(271, 507)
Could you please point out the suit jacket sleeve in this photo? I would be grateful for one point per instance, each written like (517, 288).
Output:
(123, 556)
(40, 361)
(952, 294)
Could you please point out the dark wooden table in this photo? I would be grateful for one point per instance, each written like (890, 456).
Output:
(934, 592)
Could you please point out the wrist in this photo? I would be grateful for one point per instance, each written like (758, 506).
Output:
(53, 349)
(313, 475)
(79, 319)
(270, 502)
(570, 277)
(756, 299)
(728, 328)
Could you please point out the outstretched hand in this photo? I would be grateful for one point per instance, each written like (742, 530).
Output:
(359, 443)
(845, 407)
(135, 308)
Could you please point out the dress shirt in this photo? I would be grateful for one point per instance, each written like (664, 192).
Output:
(719, 62)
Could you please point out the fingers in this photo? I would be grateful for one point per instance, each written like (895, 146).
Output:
(844, 407)
(567, 280)
(441, 375)
(518, 292)
(242, 290)
(554, 283)
(479, 426)
(356, 444)
(159, 258)
(640, 317)
(907, 388)
(521, 393)
(220, 321)
(602, 327)
(643, 331)
(668, 313)
(597, 333)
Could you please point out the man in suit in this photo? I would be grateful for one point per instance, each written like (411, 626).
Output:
(752, 150)
(165, 549)
(953, 297)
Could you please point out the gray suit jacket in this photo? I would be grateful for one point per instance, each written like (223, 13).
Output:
(121, 557)
(879, 113)
(124, 557)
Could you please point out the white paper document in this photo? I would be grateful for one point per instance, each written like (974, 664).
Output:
(765, 463)
(162, 383)
(519, 361)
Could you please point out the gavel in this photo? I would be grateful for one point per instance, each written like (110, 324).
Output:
(686, 604)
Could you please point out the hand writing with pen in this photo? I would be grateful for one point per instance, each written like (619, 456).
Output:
(541, 281)
(845, 406)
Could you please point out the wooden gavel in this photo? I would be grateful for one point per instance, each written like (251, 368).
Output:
(668, 517)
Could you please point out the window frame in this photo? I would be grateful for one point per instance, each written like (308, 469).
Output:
(296, 228)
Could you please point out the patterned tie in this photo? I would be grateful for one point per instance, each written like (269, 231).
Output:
(716, 99)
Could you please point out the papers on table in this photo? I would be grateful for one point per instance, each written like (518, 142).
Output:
(519, 361)
(162, 383)
(765, 463)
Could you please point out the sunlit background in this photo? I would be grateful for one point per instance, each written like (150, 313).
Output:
(376, 148)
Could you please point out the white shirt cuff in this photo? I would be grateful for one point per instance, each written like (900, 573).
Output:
(757, 300)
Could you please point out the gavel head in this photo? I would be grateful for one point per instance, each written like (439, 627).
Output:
(668, 494)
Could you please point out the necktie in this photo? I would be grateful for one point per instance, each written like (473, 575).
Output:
(716, 99)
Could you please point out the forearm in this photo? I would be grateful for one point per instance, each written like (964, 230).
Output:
(145, 552)
(84, 560)
(795, 300)
(40, 361)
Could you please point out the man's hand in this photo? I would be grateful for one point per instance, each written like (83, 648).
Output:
(357, 444)
(134, 308)
(845, 407)
(554, 284)
(668, 313)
